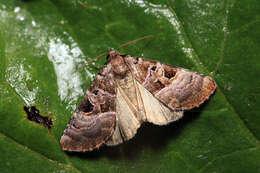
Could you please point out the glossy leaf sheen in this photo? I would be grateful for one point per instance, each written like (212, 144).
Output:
(43, 42)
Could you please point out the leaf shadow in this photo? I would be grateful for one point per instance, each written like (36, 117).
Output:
(148, 135)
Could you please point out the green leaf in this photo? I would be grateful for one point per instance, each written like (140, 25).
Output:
(43, 42)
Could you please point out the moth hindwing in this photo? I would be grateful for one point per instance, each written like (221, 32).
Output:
(127, 92)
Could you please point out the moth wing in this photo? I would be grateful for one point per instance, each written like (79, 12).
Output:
(127, 121)
(155, 111)
(94, 120)
(135, 105)
(178, 88)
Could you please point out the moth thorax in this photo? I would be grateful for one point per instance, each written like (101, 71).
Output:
(118, 65)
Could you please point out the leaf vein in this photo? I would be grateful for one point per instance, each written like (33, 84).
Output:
(196, 60)
(67, 166)
(226, 155)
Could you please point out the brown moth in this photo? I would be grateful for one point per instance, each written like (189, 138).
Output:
(127, 92)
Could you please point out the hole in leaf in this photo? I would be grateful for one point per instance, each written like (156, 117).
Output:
(33, 114)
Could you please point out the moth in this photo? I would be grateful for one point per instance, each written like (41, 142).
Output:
(127, 92)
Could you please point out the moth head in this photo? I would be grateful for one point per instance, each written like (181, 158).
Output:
(112, 54)
(117, 62)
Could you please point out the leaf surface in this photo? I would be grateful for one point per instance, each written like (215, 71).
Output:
(44, 42)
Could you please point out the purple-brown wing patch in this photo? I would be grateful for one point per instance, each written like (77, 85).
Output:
(178, 88)
(94, 120)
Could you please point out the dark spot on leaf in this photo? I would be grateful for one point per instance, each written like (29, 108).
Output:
(33, 114)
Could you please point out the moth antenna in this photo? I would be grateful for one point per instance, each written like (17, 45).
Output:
(91, 60)
(121, 46)
(133, 41)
